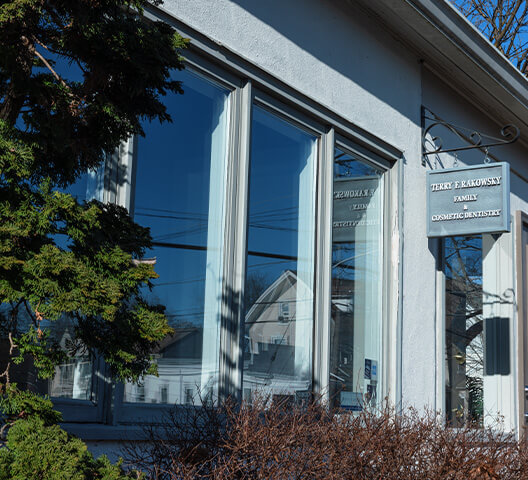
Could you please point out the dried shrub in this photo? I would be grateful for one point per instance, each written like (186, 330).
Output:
(284, 441)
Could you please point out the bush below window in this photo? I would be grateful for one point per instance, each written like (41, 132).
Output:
(291, 442)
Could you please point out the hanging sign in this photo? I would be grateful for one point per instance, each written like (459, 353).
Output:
(355, 208)
(468, 200)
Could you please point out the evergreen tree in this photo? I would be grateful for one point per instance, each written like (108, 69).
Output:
(60, 258)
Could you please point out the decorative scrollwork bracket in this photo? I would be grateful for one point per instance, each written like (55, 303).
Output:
(509, 134)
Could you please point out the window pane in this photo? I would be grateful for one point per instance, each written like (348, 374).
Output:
(180, 196)
(464, 330)
(280, 263)
(355, 331)
(74, 377)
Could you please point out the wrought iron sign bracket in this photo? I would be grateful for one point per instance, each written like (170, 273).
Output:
(509, 134)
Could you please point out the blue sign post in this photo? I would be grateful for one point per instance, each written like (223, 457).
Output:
(468, 200)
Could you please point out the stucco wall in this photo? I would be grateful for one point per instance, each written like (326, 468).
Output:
(332, 55)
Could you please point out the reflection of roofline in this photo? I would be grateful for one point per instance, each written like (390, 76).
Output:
(263, 302)
(259, 303)
(179, 334)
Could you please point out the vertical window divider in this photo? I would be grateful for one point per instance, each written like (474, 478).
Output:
(119, 189)
(323, 266)
(386, 333)
(232, 325)
(392, 254)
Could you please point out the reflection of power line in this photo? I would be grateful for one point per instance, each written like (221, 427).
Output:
(184, 246)
(173, 217)
(183, 215)
(255, 265)
(179, 282)
(181, 246)
(269, 227)
(180, 212)
(182, 233)
(273, 199)
(273, 210)
(186, 315)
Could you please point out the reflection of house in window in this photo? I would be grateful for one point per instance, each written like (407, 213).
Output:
(140, 393)
(345, 374)
(73, 378)
(164, 394)
(278, 340)
(188, 400)
(272, 326)
(178, 358)
(284, 312)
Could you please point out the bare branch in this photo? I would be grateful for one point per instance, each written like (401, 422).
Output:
(503, 22)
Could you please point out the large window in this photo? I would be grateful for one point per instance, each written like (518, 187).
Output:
(240, 193)
(478, 325)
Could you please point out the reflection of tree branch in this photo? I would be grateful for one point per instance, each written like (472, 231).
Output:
(475, 313)
(473, 331)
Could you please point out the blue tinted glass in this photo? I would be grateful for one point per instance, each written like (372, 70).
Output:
(279, 278)
(180, 196)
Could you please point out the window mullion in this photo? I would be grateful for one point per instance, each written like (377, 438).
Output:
(235, 242)
(323, 266)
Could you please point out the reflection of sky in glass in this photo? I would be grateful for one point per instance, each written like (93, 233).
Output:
(180, 195)
(463, 258)
(346, 165)
(172, 195)
(345, 254)
(279, 280)
(68, 70)
(279, 153)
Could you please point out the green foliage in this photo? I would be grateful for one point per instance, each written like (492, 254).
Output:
(76, 79)
(18, 404)
(35, 450)
(120, 64)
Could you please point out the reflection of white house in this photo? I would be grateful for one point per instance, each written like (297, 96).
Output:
(179, 361)
(73, 378)
(275, 362)
(277, 339)
(277, 353)
(270, 319)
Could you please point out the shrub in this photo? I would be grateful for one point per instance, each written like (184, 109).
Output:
(295, 442)
(36, 451)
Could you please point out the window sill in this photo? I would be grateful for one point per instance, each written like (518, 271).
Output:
(100, 432)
